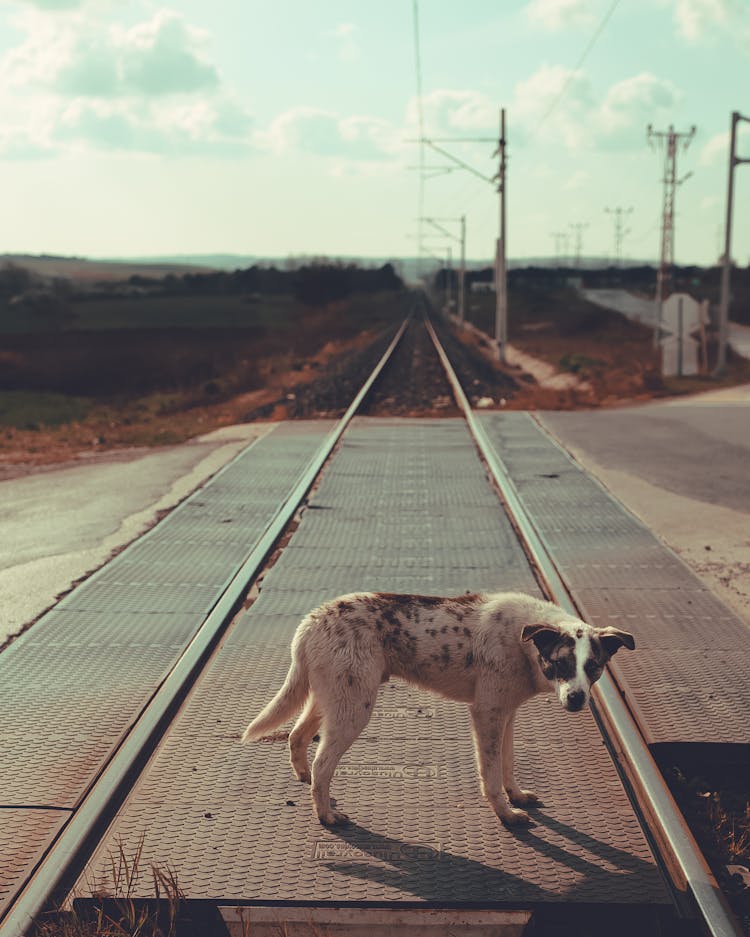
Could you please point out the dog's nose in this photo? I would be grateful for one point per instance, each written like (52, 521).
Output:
(575, 700)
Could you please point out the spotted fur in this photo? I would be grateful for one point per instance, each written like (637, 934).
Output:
(491, 651)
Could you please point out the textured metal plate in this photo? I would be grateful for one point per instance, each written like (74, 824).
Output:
(64, 627)
(59, 724)
(73, 684)
(615, 544)
(232, 821)
(642, 573)
(177, 561)
(24, 835)
(477, 528)
(663, 618)
(102, 595)
(432, 580)
(690, 694)
(688, 677)
(222, 528)
(235, 825)
(265, 629)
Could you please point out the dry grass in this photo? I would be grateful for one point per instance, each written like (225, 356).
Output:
(717, 809)
(121, 916)
(112, 910)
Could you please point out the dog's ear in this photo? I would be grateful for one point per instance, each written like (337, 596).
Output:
(543, 636)
(613, 639)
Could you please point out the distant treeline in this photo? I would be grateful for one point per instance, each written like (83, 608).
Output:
(314, 284)
(700, 282)
(638, 279)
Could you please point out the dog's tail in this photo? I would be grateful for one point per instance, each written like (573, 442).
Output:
(287, 702)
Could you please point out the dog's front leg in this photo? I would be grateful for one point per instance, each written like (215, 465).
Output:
(516, 795)
(489, 730)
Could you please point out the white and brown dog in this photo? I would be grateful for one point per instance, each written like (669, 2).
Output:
(491, 651)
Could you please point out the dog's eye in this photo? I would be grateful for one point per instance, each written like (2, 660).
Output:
(565, 668)
(593, 669)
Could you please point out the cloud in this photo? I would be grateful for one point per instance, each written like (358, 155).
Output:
(555, 15)
(715, 150)
(75, 82)
(324, 133)
(630, 105)
(164, 128)
(698, 19)
(164, 56)
(454, 111)
(345, 35)
(560, 106)
(555, 103)
(159, 57)
(53, 5)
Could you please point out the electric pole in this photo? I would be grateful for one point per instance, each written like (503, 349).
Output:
(619, 230)
(726, 266)
(498, 181)
(561, 247)
(671, 140)
(579, 227)
(501, 274)
(436, 223)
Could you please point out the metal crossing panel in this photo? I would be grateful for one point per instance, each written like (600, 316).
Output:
(74, 683)
(24, 836)
(619, 573)
(234, 824)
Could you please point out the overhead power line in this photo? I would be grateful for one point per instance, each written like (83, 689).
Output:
(420, 120)
(584, 55)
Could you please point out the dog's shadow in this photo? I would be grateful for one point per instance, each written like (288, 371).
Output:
(431, 873)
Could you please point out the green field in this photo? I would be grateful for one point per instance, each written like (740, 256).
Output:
(181, 351)
(30, 410)
(157, 312)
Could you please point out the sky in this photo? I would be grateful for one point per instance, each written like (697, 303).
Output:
(287, 127)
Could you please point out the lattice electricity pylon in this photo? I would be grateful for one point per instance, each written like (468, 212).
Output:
(671, 140)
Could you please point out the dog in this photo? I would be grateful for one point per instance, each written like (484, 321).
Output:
(492, 651)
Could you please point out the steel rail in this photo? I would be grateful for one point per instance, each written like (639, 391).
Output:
(119, 773)
(681, 856)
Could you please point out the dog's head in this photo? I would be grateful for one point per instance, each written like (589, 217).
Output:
(572, 656)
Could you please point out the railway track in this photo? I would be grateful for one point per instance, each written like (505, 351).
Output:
(698, 905)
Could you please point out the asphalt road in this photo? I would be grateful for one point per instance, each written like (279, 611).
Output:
(683, 467)
(62, 522)
(698, 448)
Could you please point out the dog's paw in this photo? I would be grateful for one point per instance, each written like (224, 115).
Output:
(513, 817)
(334, 818)
(303, 776)
(522, 798)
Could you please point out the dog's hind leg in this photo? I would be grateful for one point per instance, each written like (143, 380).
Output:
(489, 730)
(516, 795)
(342, 724)
(301, 736)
